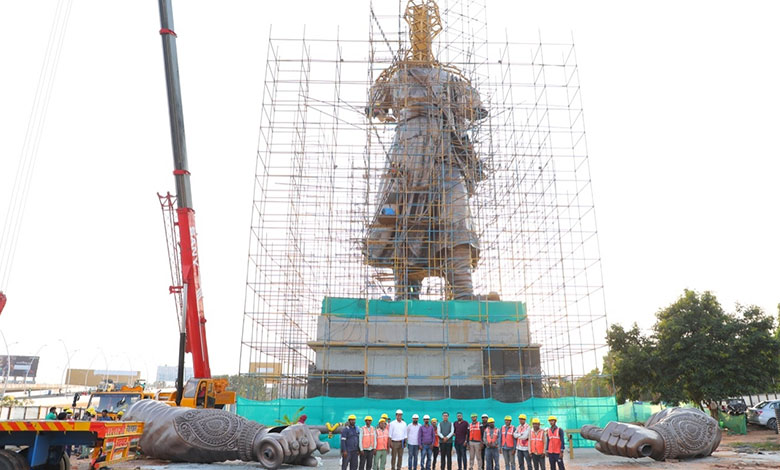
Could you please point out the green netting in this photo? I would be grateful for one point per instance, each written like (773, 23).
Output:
(572, 412)
(474, 310)
(636, 412)
(734, 424)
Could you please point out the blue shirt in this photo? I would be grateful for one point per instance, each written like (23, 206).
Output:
(349, 439)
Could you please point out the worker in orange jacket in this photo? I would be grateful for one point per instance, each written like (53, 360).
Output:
(555, 444)
(536, 444)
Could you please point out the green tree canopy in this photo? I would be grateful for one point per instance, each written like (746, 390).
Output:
(696, 352)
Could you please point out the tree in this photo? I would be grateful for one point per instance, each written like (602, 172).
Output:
(630, 362)
(696, 352)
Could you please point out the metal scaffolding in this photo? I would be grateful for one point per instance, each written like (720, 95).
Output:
(320, 166)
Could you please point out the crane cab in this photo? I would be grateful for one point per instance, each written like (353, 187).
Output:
(204, 393)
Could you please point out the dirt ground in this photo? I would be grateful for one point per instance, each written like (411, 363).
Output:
(735, 453)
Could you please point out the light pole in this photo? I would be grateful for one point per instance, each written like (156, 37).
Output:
(31, 363)
(105, 372)
(7, 363)
(68, 356)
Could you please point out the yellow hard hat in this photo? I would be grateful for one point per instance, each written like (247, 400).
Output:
(507, 418)
(522, 417)
(368, 418)
(121, 413)
(91, 410)
(491, 420)
(552, 418)
(382, 420)
(352, 417)
(68, 410)
(434, 420)
(384, 416)
(535, 421)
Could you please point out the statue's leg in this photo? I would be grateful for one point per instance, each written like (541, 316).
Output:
(457, 271)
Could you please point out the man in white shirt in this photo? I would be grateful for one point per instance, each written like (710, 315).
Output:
(397, 436)
(413, 441)
(522, 432)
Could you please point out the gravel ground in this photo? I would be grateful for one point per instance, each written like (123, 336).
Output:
(725, 458)
(583, 459)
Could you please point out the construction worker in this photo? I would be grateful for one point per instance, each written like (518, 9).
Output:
(397, 431)
(461, 440)
(555, 444)
(413, 442)
(52, 414)
(521, 437)
(491, 438)
(482, 427)
(382, 444)
(119, 415)
(66, 413)
(104, 416)
(508, 443)
(434, 423)
(536, 444)
(445, 432)
(475, 442)
(367, 444)
(350, 446)
(427, 438)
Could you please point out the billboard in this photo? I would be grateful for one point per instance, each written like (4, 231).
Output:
(21, 366)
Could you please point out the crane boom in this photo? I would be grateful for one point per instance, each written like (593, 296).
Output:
(195, 320)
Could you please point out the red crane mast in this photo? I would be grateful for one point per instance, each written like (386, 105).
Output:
(193, 327)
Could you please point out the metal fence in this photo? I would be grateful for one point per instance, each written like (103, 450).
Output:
(28, 412)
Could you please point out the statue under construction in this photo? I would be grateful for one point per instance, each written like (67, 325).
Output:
(423, 225)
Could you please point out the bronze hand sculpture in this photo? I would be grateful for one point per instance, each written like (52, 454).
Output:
(669, 434)
(206, 435)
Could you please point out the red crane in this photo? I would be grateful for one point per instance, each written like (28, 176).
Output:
(186, 277)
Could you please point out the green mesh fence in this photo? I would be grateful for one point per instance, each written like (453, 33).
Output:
(733, 424)
(636, 412)
(473, 310)
(572, 412)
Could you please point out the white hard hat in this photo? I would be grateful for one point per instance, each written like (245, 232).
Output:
(399, 411)
(415, 416)
(426, 417)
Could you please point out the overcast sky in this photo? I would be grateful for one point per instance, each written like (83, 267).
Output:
(681, 103)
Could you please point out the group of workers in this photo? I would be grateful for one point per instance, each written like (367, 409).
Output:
(89, 415)
(367, 447)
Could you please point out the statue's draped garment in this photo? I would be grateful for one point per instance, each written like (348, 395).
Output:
(431, 171)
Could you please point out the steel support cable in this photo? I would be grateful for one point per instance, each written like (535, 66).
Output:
(27, 159)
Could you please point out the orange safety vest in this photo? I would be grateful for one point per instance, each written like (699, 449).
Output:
(381, 438)
(507, 439)
(369, 432)
(520, 429)
(536, 440)
(491, 438)
(554, 443)
(474, 433)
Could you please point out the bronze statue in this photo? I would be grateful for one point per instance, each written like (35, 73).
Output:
(423, 224)
(673, 433)
(207, 435)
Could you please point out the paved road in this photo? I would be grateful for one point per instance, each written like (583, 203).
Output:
(583, 459)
